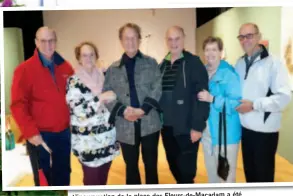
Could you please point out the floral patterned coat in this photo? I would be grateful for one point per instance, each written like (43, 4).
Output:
(93, 138)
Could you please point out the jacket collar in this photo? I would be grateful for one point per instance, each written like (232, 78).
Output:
(57, 58)
(125, 58)
(263, 54)
(219, 74)
(168, 56)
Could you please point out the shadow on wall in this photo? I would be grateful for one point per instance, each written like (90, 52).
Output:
(289, 56)
(286, 133)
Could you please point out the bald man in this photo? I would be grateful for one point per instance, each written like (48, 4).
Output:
(39, 107)
(184, 116)
(266, 92)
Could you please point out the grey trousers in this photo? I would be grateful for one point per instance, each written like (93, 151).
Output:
(211, 159)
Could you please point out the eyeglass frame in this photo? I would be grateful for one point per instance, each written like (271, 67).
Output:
(247, 36)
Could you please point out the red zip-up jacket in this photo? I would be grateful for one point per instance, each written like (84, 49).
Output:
(37, 100)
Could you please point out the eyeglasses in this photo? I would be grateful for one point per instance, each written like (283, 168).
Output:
(247, 36)
(50, 41)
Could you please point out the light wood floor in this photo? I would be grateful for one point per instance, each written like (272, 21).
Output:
(284, 171)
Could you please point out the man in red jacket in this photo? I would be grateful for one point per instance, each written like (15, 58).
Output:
(39, 108)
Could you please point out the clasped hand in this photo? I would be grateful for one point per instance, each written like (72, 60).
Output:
(133, 114)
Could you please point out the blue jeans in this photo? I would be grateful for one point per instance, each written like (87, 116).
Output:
(60, 144)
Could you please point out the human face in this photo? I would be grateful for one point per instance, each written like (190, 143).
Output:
(46, 42)
(130, 41)
(248, 38)
(175, 41)
(212, 54)
(87, 57)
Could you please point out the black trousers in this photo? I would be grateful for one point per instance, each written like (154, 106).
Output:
(258, 152)
(181, 155)
(149, 149)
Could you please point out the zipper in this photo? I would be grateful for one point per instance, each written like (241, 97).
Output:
(246, 72)
(55, 82)
(57, 86)
(184, 77)
(54, 78)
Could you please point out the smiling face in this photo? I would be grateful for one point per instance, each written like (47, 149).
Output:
(87, 57)
(249, 38)
(212, 53)
(175, 40)
(130, 41)
(46, 41)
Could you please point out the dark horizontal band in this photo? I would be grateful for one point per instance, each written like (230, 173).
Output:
(150, 103)
(98, 153)
(91, 130)
(117, 111)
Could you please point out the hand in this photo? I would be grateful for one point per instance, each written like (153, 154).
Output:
(129, 114)
(204, 95)
(132, 114)
(139, 112)
(195, 135)
(107, 97)
(36, 140)
(245, 106)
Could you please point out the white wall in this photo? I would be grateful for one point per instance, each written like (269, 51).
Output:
(226, 26)
(101, 27)
(287, 34)
(286, 132)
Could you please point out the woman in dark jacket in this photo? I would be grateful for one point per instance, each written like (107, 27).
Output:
(184, 116)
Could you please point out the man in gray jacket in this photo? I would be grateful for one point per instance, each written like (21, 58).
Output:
(136, 80)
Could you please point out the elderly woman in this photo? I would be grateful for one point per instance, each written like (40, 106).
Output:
(93, 138)
(224, 90)
(135, 78)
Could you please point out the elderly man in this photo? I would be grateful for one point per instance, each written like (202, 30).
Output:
(39, 107)
(265, 92)
(184, 116)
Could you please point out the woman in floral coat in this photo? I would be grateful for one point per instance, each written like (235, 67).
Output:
(93, 138)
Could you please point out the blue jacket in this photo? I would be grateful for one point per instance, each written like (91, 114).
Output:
(225, 87)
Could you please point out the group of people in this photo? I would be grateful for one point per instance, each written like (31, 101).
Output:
(95, 114)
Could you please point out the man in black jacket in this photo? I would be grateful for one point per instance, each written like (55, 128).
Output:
(184, 116)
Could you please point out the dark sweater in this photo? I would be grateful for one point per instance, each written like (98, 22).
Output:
(130, 69)
(188, 112)
(169, 80)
